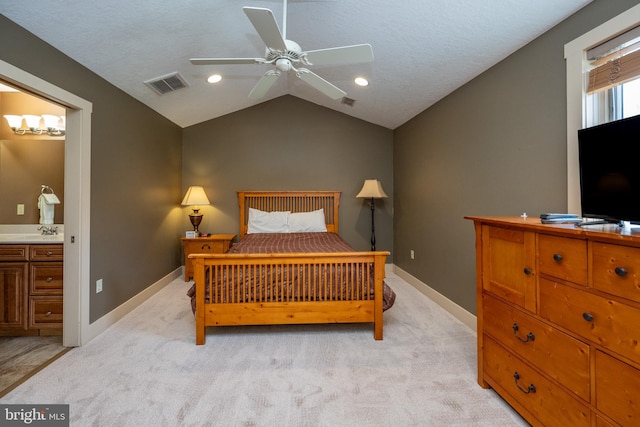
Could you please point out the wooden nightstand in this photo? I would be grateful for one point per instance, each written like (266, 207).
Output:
(213, 244)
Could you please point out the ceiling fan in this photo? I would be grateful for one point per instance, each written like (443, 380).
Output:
(286, 55)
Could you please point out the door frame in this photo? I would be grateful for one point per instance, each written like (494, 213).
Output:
(77, 204)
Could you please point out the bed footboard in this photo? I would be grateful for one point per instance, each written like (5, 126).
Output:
(302, 288)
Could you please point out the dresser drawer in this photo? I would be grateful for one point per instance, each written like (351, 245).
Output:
(548, 403)
(47, 252)
(606, 322)
(555, 353)
(46, 278)
(45, 312)
(617, 389)
(14, 252)
(616, 269)
(563, 258)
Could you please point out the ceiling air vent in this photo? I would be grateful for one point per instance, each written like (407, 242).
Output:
(168, 83)
(348, 101)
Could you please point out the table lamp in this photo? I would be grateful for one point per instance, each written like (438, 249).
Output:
(195, 197)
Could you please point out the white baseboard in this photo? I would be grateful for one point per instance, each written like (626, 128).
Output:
(454, 309)
(100, 325)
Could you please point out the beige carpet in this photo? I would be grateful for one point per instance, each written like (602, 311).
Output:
(146, 371)
(22, 357)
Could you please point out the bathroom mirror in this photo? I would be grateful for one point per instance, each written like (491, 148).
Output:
(28, 161)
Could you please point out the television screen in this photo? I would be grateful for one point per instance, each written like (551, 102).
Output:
(610, 170)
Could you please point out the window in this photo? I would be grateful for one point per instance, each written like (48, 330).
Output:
(613, 79)
(583, 111)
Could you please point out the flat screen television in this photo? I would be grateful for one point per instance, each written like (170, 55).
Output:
(609, 157)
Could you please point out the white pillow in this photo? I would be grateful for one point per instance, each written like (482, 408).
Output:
(305, 222)
(267, 222)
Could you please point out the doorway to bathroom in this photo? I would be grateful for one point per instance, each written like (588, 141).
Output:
(77, 166)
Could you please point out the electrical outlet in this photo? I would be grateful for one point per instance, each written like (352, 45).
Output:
(98, 286)
(413, 255)
(20, 209)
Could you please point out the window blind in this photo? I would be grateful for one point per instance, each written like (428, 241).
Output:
(616, 62)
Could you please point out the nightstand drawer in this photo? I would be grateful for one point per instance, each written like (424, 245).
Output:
(212, 244)
(206, 247)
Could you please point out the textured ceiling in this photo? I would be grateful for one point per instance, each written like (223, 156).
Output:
(423, 49)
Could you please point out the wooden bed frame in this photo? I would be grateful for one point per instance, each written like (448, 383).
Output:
(296, 304)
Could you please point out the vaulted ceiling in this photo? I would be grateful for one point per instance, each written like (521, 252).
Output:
(423, 49)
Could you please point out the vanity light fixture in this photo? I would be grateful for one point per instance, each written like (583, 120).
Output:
(53, 125)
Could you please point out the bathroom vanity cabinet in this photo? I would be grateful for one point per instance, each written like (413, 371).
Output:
(31, 279)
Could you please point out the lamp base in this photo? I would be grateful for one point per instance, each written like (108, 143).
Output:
(195, 219)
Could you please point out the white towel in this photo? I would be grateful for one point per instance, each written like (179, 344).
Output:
(50, 199)
(46, 208)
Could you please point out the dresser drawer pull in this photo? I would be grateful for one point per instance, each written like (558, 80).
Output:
(557, 257)
(49, 279)
(530, 336)
(530, 389)
(587, 316)
(205, 246)
(527, 271)
(621, 271)
(49, 253)
(48, 314)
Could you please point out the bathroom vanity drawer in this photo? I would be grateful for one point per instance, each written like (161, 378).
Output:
(14, 252)
(47, 252)
(45, 278)
(45, 312)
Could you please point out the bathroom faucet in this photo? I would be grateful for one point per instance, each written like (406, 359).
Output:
(48, 231)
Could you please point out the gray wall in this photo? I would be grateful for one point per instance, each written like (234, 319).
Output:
(135, 174)
(496, 146)
(291, 144)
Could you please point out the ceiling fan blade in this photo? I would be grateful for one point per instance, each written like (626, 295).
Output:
(321, 84)
(267, 27)
(264, 84)
(339, 55)
(226, 61)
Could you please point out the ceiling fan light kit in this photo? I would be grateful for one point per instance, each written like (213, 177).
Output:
(286, 55)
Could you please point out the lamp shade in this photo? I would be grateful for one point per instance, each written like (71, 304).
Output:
(372, 189)
(14, 121)
(195, 196)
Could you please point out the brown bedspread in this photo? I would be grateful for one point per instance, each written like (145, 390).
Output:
(295, 243)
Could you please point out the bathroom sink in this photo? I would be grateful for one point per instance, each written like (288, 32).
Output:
(31, 238)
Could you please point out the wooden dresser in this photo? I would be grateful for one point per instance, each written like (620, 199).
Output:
(559, 320)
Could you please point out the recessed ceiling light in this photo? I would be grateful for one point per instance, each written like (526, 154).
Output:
(361, 81)
(215, 78)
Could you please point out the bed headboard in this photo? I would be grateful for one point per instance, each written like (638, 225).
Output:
(294, 201)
